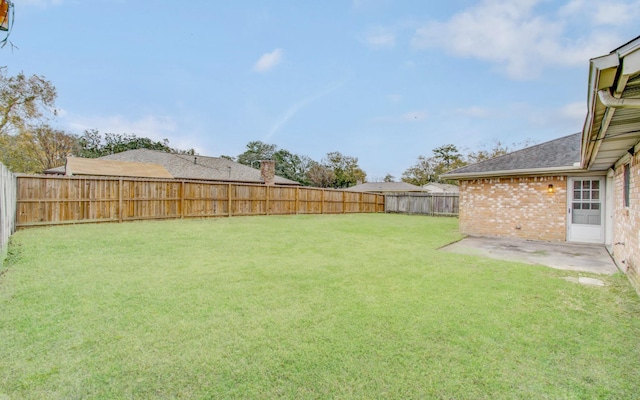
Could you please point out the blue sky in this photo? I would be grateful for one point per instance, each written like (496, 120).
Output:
(384, 81)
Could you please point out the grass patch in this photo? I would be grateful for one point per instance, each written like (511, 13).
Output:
(345, 306)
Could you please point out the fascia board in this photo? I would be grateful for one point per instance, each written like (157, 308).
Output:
(629, 47)
(631, 63)
(602, 72)
(515, 172)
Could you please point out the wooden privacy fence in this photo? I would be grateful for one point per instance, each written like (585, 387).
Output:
(7, 208)
(53, 200)
(444, 204)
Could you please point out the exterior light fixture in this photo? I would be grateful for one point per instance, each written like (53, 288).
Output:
(550, 189)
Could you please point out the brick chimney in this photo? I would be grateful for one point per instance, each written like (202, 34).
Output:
(268, 171)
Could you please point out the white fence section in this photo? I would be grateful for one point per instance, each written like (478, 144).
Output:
(441, 204)
(8, 193)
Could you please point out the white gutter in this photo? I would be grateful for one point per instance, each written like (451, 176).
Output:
(613, 102)
(515, 172)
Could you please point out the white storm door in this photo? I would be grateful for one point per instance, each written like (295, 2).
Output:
(585, 221)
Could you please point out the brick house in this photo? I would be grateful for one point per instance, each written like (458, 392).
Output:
(583, 187)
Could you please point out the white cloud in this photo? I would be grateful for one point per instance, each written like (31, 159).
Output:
(379, 38)
(522, 41)
(602, 13)
(268, 61)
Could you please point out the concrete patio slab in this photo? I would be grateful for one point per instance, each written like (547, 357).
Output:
(564, 256)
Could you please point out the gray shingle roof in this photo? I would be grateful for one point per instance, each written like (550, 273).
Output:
(183, 166)
(559, 153)
(385, 187)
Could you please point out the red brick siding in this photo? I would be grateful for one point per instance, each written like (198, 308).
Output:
(519, 207)
(627, 222)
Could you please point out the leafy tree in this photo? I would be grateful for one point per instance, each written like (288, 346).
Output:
(288, 165)
(53, 146)
(420, 173)
(255, 152)
(93, 144)
(498, 149)
(24, 100)
(336, 170)
(345, 168)
(446, 158)
(319, 175)
(292, 166)
(18, 154)
(35, 150)
(389, 178)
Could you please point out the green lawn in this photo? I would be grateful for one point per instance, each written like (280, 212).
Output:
(344, 306)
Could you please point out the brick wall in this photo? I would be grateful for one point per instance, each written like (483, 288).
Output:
(626, 222)
(519, 207)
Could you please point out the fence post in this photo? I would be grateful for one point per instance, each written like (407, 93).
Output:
(181, 199)
(120, 211)
(297, 198)
(322, 202)
(229, 199)
(344, 202)
(267, 195)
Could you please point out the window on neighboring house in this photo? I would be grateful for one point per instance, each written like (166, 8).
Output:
(627, 184)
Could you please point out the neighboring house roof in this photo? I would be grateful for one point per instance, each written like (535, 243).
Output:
(385, 187)
(94, 166)
(441, 187)
(183, 166)
(559, 155)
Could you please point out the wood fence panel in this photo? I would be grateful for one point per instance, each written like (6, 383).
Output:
(203, 199)
(151, 199)
(444, 204)
(282, 200)
(353, 202)
(333, 202)
(249, 200)
(310, 201)
(51, 200)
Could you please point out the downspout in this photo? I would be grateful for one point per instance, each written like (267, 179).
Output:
(613, 102)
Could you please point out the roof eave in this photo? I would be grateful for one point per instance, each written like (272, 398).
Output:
(608, 75)
(602, 72)
(515, 172)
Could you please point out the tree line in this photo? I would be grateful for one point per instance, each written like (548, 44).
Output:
(447, 158)
(29, 144)
(335, 170)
